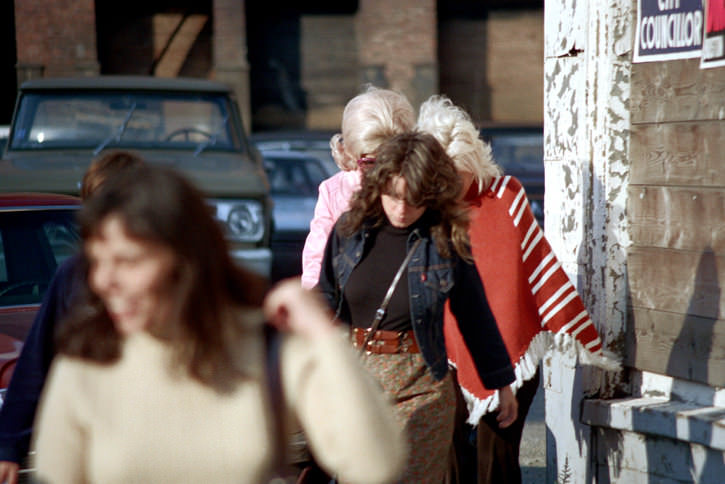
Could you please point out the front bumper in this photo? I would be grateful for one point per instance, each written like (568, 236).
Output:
(258, 261)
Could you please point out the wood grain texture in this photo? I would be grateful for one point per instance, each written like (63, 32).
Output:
(688, 153)
(676, 91)
(677, 281)
(688, 347)
(689, 218)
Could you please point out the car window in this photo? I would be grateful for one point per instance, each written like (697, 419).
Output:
(101, 119)
(32, 245)
(518, 152)
(295, 177)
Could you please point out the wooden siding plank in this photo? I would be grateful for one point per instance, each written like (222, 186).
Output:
(677, 218)
(688, 153)
(676, 91)
(688, 347)
(681, 282)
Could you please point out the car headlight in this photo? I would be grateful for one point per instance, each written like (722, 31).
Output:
(242, 219)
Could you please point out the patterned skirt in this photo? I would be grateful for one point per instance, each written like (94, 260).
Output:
(425, 407)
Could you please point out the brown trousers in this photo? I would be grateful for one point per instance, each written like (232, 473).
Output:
(488, 454)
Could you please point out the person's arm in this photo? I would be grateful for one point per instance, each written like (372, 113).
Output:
(21, 399)
(350, 427)
(59, 439)
(483, 338)
(320, 227)
(478, 327)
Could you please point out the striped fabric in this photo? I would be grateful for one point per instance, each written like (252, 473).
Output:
(531, 296)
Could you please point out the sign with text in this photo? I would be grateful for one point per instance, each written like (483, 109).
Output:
(713, 47)
(668, 30)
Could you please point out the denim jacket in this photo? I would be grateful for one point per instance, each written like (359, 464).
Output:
(432, 280)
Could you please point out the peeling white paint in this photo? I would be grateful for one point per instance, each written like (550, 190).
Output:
(587, 120)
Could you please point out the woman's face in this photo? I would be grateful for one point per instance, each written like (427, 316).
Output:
(399, 213)
(131, 276)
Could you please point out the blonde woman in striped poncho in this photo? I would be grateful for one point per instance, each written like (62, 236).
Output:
(534, 302)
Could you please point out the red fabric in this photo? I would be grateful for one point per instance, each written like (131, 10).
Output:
(526, 287)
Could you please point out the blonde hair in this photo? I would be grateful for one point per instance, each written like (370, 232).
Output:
(432, 182)
(369, 119)
(453, 129)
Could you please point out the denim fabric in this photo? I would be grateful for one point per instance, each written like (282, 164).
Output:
(23, 394)
(432, 280)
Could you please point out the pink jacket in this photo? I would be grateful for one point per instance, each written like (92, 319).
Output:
(333, 201)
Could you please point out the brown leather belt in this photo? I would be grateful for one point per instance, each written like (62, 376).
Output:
(385, 341)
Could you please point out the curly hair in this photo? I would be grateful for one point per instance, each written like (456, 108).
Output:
(159, 205)
(432, 182)
(453, 128)
(369, 119)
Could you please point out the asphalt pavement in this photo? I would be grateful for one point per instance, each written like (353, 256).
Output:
(532, 457)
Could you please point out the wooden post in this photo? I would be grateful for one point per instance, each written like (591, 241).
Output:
(586, 131)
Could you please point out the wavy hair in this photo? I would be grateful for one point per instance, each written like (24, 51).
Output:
(370, 118)
(160, 206)
(453, 128)
(432, 182)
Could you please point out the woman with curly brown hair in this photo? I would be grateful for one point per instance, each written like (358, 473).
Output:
(407, 219)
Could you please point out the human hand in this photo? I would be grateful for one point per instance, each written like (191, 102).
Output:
(9, 472)
(508, 408)
(289, 307)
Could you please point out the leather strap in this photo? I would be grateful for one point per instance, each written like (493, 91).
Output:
(380, 312)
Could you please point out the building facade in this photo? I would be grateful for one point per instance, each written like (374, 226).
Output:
(635, 199)
(295, 64)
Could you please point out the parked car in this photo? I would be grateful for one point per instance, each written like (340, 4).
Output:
(4, 133)
(37, 233)
(312, 142)
(60, 125)
(519, 150)
(294, 179)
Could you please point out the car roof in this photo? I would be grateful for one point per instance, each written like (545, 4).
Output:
(26, 199)
(118, 82)
(288, 155)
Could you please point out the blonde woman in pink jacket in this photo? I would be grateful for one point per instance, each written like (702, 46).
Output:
(369, 119)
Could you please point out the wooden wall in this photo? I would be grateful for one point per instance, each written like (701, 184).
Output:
(676, 210)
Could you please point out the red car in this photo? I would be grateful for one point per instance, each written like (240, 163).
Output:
(37, 233)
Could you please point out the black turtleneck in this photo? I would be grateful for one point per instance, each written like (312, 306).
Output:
(371, 278)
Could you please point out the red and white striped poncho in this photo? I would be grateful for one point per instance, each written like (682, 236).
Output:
(532, 298)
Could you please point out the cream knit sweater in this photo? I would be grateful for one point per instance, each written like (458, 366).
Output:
(138, 420)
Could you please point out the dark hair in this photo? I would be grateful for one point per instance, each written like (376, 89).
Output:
(432, 181)
(160, 206)
(107, 166)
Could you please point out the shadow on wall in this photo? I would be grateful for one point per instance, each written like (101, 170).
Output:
(668, 459)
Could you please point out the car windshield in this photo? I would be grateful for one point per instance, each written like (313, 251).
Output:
(32, 245)
(299, 177)
(99, 119)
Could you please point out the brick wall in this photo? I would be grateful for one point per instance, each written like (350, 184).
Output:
(397, 45)
(494, 67)
(55, 38)
(330, 75)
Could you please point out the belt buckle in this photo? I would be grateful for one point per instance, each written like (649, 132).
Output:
(404, 342)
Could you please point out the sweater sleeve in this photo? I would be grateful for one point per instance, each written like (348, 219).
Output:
(350, 427)
(21, 399)
(478, 327)
(60, 439)
(320, 227)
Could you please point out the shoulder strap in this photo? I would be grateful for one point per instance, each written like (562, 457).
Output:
(272, 340)
(380, 312)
